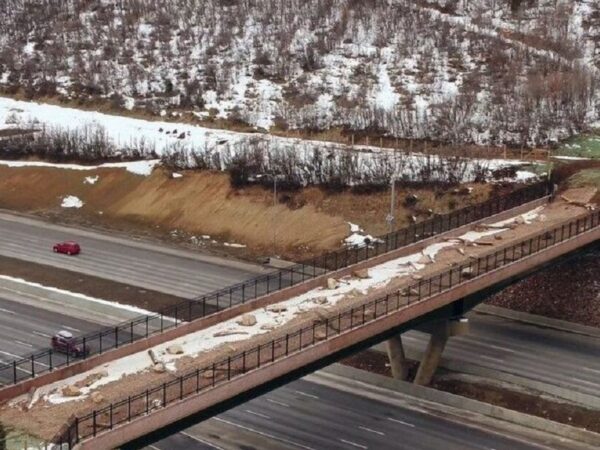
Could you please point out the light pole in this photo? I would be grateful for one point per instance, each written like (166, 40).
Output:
(391, 217)
(274, 213)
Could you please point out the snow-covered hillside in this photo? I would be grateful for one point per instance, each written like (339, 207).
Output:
(484, 71)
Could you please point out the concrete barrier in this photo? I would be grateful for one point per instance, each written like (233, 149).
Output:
(457, 401)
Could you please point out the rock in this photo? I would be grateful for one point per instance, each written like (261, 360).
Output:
(467, 272)
(228, 333)
(247, 320)
(425, 259)
(498, 237)
(321, 300)
(354, 293)
(320, 335)
(519, 220)
(71, 391)
(153, 356)
(97, 397)
(277, 308)
(175, 349)
(321, 313)
(267, 327)
(410, 200)
(91, 379)
(461, 251)
(159, 368)
(332, 283)
(208, 374)
(417, 277)
(361, 273)
(542, 218)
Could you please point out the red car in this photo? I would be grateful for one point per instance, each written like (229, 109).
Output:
(67, 247)
(64, 342)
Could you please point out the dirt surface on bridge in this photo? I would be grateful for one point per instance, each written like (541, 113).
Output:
(45, 419)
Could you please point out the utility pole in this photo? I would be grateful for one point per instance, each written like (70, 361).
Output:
(390, 217)
(274, 213)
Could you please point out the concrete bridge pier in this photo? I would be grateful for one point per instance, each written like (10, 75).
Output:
(398, 364)
(440, 332)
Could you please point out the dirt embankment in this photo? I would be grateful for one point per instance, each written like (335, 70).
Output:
(203, 203)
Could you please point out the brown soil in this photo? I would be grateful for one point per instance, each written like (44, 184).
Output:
(306, 222)
(88, 285)
(568, 291)
(535, 405)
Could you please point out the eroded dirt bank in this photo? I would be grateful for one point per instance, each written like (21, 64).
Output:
(203, 203)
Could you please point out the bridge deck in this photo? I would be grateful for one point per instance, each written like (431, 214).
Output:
(411, 280)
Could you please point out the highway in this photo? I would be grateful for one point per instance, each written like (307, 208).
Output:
(147, 265)
(310, 415)
(550, 356)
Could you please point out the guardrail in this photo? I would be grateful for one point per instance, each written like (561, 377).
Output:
(209, 376)
(128, 332)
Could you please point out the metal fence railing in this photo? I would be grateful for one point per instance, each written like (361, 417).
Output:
(212, 375)
(46, 360)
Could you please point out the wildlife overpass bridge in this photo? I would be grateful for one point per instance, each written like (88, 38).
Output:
(380, 315)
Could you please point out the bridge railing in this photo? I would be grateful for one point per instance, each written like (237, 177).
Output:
(236, 365)
(109, 338)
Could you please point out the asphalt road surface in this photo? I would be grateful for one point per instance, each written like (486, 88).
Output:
(550, 356)
(310, 416)
(147, 265)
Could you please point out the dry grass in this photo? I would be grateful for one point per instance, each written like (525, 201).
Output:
(306, 222)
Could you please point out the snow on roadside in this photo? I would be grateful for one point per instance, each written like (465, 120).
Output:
(143, 168)
(71, 201)
(267, 318)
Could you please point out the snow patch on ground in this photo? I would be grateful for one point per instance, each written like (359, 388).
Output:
(358, 236)
(91, 180)
(70, 201)
(137, 167)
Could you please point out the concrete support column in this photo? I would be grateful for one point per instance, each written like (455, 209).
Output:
(395, 351)
(440, 332)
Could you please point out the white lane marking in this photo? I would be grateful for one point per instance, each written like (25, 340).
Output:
(154, 447)
(278, 403)
(354, 444)
(401, 422)
(20, 358)
(202, 441)
(371, 430)
(39, 333)
(254, 413)
(10, 354)
(589, 369)
(24, 343)
(7, 311)
(261, 433)
(71, 328)
(306, 395)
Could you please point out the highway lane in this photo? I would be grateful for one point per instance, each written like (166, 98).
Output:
(312, 416)
(147, 265)
(25, 329)
(551, 356)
